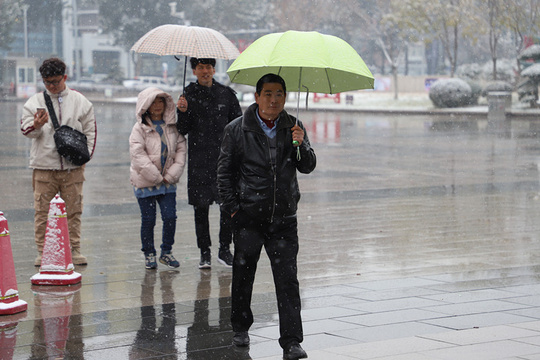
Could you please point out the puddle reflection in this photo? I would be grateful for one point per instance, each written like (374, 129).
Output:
(324, 128)
(207, 339)
(151, 338)
(57, 333)
(451, 125)
(8, 335)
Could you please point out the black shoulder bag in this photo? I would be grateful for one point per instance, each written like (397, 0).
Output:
(70, 143)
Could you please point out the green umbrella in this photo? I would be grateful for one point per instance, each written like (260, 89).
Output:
(306, 60)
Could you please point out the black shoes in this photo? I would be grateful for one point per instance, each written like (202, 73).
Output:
(206, 258)
(225, 257)
(241, 338)
(293, 352)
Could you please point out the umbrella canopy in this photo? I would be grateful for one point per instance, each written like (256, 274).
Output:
(306, 60)
(184, 40)
(193, 41)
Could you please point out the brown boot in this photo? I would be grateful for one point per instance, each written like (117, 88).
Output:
(77, 257)
(37, 262)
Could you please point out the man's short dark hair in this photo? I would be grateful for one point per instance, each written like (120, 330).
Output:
(270, 78)
(195, 61)
(52, 67)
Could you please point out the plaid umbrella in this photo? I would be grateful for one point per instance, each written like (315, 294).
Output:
(194, 41)
(183, 40)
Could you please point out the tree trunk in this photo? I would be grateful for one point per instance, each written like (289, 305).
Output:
(455, 52)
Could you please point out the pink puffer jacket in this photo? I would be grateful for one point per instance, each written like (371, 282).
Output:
(145, 144)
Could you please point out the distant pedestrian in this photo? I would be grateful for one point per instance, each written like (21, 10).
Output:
(53, 174)
(158, 157)
(203, 111)
(258, 187)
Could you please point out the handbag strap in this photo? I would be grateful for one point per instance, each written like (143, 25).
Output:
(52, 114)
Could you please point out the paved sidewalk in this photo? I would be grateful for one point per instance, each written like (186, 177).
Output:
(419, 240)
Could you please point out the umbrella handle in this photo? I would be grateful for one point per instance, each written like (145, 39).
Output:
(295, 143)
(185, 65)
(184, 79)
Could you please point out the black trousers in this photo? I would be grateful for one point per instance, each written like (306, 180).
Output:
(202, 228)
(280, 240)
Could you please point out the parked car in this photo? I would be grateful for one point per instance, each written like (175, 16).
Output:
(143, 82)
(83, 85)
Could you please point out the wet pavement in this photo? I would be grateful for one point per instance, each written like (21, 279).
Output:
(419, 239)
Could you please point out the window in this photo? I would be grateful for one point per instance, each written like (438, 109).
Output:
(26, 75)
(22, 76)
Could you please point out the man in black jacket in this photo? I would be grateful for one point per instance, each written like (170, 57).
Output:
(258, 187)
(203, 111)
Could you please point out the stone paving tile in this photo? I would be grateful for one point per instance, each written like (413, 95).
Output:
(393, 294)
(395, 317)
(389, 348)
(483, 335)
(477, 320)
(527, 357)
(394, 304)
(533, 340)
(477, 307)
(531, 300)
(386, 332)
(533, 312)
(495, 350)
(326, 313)
(452, 297)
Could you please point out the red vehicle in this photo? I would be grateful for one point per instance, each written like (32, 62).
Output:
(317, 97)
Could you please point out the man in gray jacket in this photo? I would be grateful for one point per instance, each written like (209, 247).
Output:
(53, 174)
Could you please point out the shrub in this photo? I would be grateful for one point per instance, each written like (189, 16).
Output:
(497, 86)
(446, 93)
(476, 91)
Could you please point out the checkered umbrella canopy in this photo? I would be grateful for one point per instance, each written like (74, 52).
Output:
(183, 40)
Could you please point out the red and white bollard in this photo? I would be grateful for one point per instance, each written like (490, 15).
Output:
(9, 293)
(56, 263)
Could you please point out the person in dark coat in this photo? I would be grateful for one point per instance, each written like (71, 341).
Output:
(258, 188)
(203, 111)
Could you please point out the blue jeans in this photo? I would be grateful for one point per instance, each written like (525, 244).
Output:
(167, 206)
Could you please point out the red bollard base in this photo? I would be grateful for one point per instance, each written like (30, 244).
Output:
(13, 307)
(56, 279)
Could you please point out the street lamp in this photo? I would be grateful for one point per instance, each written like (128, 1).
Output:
(76, 40)
(25, 9)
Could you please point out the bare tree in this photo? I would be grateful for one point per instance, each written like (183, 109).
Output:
(523, 21)
(381, 25)
(301, 15)
(445, 20)
(496, 22)
(491, 19)
(10, 14)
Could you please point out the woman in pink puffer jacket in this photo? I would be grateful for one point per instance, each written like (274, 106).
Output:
(158, 158)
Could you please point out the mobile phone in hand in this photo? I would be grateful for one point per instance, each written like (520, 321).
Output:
(40, 109)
